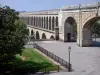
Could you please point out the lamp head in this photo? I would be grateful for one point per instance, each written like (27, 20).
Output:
(69, 48)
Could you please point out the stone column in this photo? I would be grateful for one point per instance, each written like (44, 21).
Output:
(86, 39)
(79, 27)
(45, 22)
(56, 33)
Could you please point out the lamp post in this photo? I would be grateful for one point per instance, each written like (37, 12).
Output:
(69, 67)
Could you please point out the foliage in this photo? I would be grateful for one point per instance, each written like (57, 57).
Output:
(96, 28)
(13, 34)
(27, 66)
(75, 28)
(19, 66)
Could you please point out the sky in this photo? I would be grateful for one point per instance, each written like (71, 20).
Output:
(37, 5)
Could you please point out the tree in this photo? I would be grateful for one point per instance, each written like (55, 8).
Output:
(75, 28)
(96, 28)
(13, 34)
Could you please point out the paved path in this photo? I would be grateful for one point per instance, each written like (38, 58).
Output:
(84, 60)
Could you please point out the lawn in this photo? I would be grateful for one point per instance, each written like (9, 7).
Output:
(30, 54)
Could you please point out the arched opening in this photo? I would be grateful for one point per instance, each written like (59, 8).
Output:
(56, 21)
(69, 29)
(37, 35)
(46, 22)
(43, 36)
(37, 21)
(52, 37)
(34, 21)
(52, 23)
(87, 34)
(42, 22)
(49, 23)
(69, 37)
(28, 20)
(32, 35)
(31, 21)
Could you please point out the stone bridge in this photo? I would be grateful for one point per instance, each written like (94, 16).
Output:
(59, 24)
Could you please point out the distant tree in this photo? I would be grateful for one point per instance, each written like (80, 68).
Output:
(96, 28)
(75, 28)
(13, 34)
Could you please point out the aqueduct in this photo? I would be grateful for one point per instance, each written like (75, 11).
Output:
(59, 24)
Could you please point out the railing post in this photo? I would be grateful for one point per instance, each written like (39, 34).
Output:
(58, 68)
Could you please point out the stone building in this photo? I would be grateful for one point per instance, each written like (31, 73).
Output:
(59, 23)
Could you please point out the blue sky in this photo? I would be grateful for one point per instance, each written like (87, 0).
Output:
(36, 5)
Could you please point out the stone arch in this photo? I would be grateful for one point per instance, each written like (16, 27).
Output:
(43, 36)
(53, 23)
(69, 34)
(87, 32)
(49, 23)
(37, 35)
(52, 37)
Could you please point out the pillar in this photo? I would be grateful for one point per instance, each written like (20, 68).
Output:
(56, 33)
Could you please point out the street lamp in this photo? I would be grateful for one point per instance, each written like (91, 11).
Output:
(69, 67)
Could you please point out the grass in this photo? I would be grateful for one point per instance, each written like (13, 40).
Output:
(30, 54)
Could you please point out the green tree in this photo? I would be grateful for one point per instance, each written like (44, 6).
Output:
(75, 28)
(13, 33)
(96, 28)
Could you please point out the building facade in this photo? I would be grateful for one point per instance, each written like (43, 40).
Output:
(60, 23)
